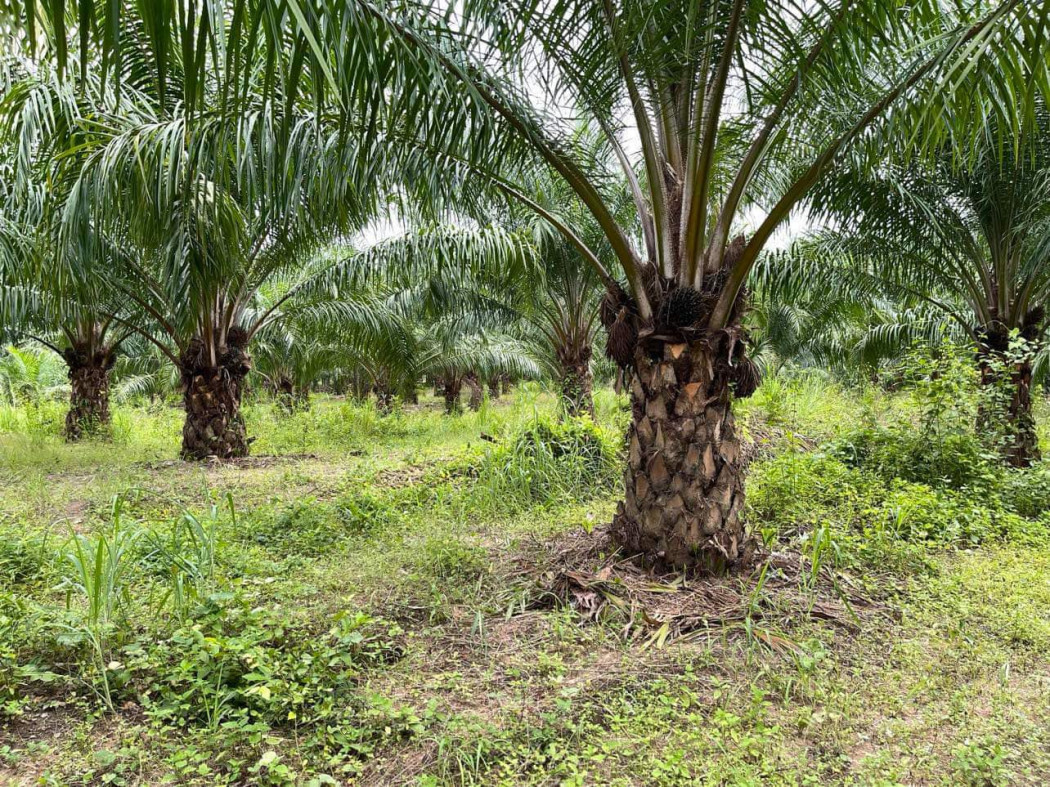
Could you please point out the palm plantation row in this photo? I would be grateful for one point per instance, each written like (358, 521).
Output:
(192, 175)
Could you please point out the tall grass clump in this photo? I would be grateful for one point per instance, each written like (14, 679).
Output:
(549, 461)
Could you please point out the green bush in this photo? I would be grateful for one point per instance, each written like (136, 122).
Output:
(1027, 491)
(246, 665)
(876, 520)
(954, 458)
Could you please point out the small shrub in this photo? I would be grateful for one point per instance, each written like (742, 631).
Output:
(980, 765)
(1027, 491)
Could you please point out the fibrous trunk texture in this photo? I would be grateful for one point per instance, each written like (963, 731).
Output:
(450, 390)
(89, 395)
(477, 393)
(684, 482)
(1014, 424)
(576, 382)
(212, 393)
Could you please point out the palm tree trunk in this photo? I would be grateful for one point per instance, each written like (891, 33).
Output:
(451, 389)
(1006, 410)
(89, 396)
(212, 394)
(494, 387)
(576, 381)
(477, 393)
(684, 494)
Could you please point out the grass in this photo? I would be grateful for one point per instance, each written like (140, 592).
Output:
(355, 605)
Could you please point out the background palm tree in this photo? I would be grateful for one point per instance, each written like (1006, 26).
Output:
(962, 246)
(453, 289)
(44, 294)
(195, 216)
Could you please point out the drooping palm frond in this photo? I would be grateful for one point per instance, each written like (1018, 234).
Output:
(29, 374)
(735, 105)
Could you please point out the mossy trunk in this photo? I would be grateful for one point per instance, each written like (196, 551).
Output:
(212, 394)
(477, 393)
(684, 495)
(576, 382)
(89, 392)
(1006, 411)
(451, 388)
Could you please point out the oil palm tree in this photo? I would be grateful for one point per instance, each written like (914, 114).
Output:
(455, 289)
(960, 244)
(197, 211)
(739, 109)
(735, 105)
(44, 297)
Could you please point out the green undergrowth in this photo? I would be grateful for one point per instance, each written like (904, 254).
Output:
(369, 613)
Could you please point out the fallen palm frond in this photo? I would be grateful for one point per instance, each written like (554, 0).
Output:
(587, 573)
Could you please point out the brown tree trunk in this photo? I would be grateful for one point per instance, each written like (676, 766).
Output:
(450, 390)
(494, 391)
(1007, 409)
(477, 393)
(576, 382)
(89, 396)
(212, 394)
(507, 385)
(684, 482)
